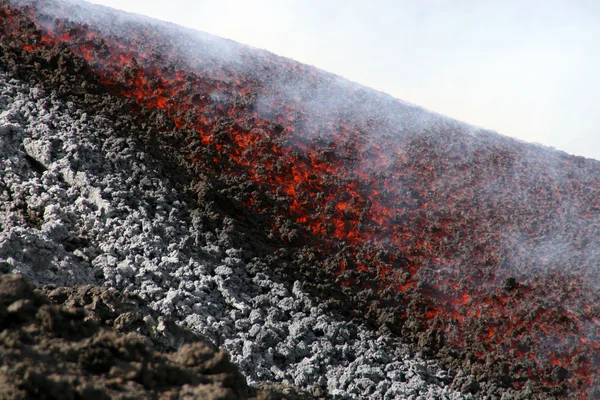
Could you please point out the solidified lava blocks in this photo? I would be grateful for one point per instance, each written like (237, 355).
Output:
(479, 249)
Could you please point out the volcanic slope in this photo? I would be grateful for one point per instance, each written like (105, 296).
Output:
(83, 204)
(480, 250)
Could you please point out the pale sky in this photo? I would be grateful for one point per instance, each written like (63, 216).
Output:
(524, 68)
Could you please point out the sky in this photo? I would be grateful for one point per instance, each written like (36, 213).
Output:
(524, 68)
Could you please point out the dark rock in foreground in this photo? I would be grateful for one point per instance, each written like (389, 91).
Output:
(100, 344)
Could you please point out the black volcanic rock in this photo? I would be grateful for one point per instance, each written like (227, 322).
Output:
(468, 245)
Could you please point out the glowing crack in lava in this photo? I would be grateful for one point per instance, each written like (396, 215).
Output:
(484, 248)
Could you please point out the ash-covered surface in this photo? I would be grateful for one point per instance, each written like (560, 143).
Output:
(478, 250)
(80, 206)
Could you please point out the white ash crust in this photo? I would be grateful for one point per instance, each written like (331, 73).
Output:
(80, 205)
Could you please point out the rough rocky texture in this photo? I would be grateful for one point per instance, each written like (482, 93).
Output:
(84, 205)
(216, 135)
(123, 312)
(60, 352)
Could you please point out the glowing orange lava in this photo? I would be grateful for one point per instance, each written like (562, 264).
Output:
(404, 208)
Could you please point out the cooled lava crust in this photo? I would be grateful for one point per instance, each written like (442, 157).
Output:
(481, 250)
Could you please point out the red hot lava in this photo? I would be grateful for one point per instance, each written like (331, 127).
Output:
(484, 244)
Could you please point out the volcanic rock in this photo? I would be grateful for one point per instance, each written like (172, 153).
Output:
(55, 352)
(326, 235)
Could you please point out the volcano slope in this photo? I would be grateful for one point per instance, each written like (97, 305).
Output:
(89, 205)
(338, 203)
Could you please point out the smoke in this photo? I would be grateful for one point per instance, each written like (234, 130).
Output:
(386, 188)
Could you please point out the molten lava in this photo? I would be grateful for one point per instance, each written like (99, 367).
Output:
(458, 231)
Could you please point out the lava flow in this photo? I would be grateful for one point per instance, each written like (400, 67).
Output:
(479, 248)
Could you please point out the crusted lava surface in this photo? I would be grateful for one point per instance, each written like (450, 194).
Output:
(479, 249)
